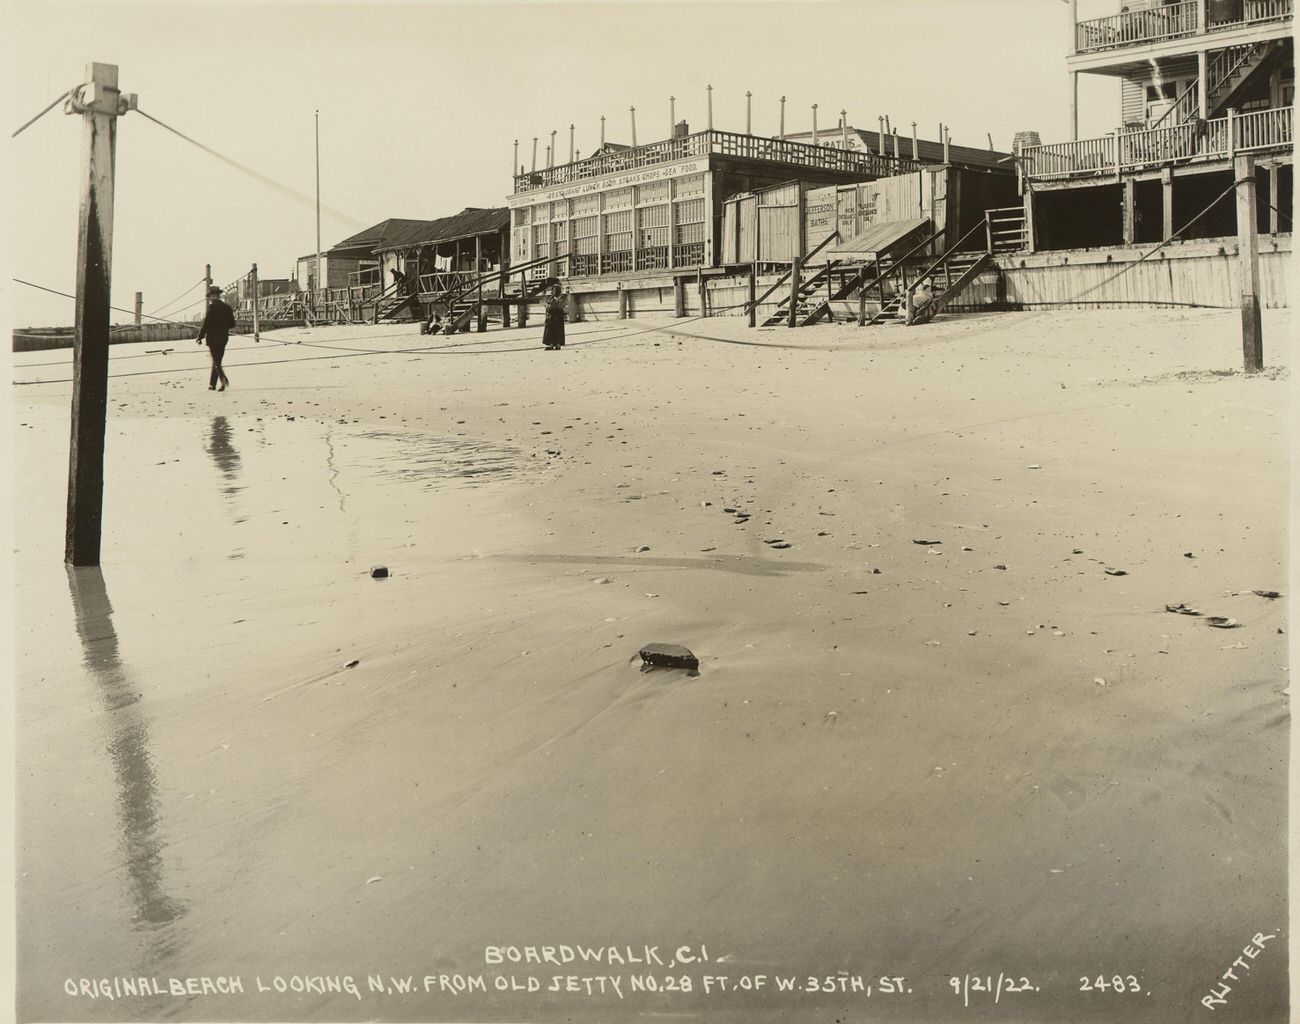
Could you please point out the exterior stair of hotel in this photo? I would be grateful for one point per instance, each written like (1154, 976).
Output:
(1230, 74)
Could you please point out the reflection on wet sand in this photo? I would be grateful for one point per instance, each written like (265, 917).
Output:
(127, 733)
(224, 454)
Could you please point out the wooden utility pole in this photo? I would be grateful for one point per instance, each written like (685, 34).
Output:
(257, 323)
(1252, 335)
(709, 90)
(320, 276)
(207, 286)
(99, 102)
(781, 132)
(139, 308)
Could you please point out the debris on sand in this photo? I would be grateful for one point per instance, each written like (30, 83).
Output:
(1221, 622)
(927, 542)
(379, 572)
(353, 663)
(668, 656)
(1181, 609)
(1115, 572)
(1272, 595)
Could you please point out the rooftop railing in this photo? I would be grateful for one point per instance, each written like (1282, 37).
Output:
(1171, 21)
(708, 143)
(1219, 138)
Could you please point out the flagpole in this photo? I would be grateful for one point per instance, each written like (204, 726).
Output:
(320, 277)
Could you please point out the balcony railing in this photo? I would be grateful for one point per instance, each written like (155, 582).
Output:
(706, 143)
(1209, 140)
(1171, 22)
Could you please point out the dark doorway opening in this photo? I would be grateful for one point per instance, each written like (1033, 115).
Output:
(1148, 212)
(1079, 218)
(1192, 194)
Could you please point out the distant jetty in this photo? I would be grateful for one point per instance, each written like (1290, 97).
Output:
(36, 339)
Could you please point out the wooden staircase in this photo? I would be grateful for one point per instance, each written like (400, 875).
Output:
(875, 273)
(1228, 75)
(392, 303)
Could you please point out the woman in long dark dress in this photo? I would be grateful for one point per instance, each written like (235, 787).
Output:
(553, 333)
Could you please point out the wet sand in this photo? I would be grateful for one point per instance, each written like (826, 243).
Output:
(240, 756)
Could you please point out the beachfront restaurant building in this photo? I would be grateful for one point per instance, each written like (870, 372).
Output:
(1201, 84)
(626, 226)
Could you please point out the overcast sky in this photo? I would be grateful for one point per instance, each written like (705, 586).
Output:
(420, 105)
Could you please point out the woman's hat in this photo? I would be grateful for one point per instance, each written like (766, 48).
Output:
(214, 290)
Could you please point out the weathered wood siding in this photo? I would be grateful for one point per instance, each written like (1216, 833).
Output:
(1200, 274)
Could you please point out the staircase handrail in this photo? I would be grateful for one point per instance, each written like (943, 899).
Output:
(786, 276)
(1213, 79)
(497, 274)
(947, 255)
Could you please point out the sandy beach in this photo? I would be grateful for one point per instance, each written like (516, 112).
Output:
(947, 755)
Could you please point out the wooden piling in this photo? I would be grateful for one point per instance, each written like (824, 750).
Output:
(795, 267)
(98, 104)
(679, 296)
(1252, 336)
(257, 323)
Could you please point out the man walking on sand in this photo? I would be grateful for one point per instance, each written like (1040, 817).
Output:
(216, 327)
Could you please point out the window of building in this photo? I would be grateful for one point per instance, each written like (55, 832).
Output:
(652, 240)
(618, 199)
(688, 243)
(586, 246)
(618, 241)
(690, 185)
(655, 192)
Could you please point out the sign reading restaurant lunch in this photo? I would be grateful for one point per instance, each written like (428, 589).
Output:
(608, 181)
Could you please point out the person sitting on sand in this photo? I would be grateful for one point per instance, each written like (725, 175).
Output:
(553, 333)
(919, 300)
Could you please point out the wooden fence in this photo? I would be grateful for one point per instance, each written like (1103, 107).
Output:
(1189, 274)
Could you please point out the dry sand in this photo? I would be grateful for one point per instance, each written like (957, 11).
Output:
(981, 758)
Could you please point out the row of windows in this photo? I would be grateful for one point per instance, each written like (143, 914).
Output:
(657, 257)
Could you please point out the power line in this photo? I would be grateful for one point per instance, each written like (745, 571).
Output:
(179, 297)
(285, 190)
(119, 309)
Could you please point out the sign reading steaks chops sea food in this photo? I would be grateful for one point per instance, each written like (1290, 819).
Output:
(609, 181)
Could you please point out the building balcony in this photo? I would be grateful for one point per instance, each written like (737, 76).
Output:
(1192, 142)
(716, 143)
(1176, 21)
